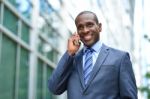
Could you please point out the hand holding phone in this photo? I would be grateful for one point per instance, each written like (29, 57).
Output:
(77, 42)
(73, 44)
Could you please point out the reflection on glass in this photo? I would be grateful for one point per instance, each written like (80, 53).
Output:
(24, 7)
(45, 8)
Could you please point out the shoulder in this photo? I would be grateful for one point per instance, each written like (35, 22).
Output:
(115, 51)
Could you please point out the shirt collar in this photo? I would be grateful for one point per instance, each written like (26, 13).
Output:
(96, 47)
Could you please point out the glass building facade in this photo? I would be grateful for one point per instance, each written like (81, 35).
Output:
(28, 48)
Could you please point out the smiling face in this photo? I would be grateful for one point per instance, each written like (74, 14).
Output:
(88, 28)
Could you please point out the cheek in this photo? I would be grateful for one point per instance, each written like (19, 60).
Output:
(81, 35)
(96, 36)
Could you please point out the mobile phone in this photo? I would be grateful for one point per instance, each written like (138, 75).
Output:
(77, 42)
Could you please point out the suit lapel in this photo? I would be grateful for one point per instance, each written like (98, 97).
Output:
(79, 63)
(101, 58)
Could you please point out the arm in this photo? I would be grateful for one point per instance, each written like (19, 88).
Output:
(128, 88)
(58, 80)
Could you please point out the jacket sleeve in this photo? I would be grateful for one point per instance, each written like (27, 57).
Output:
(57, 83)
(127, 82)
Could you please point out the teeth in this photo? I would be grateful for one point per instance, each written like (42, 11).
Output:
(87, 37)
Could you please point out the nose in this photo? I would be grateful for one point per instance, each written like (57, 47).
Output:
(85, 30)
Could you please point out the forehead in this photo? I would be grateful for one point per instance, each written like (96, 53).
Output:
(86, 17)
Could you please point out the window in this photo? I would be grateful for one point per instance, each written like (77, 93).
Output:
(43, 73)
(53, 36)
(13, 2)
(0, 46)
(48, 41)
(48, 51)
(49, 32)
(0, 13)
(23, 74)
(45, 8)
(10, 21)
(25, 32)
(53, 55)
(40, 47)
(7, 68)
(39, 79)
(47, 92)
(23, 6)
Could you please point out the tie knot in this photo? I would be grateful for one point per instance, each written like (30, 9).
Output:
(89, 50)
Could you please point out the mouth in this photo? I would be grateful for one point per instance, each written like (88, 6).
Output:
(87, 37)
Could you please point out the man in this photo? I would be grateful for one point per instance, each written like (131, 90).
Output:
(96, 71)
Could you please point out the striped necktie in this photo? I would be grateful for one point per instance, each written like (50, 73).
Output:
(87, 68)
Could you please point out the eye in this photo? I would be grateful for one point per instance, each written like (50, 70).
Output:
(90, 24)
(80, 27)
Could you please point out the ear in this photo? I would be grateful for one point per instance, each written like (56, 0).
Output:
(100, 27)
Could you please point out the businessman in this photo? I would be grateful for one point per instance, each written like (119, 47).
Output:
(96, 71)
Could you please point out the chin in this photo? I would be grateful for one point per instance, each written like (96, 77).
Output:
(88, 44)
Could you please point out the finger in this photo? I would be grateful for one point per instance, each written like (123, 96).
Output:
(75, 34)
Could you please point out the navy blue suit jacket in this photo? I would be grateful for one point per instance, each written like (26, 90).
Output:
(112, 76)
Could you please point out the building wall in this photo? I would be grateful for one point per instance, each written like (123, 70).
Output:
(14, 62)
(29, 48)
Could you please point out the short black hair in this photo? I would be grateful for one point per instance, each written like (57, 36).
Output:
(87, 12)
